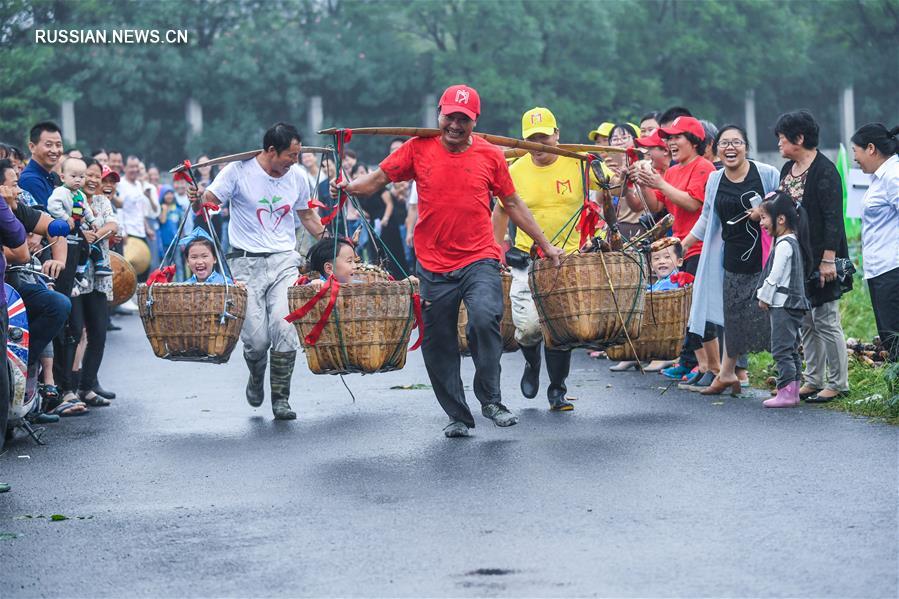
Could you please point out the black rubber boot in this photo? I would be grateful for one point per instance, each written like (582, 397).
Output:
(558, 364)
(281, 373)
(256, 383)
(530, 379)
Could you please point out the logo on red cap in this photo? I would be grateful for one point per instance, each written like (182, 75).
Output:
(461, 98)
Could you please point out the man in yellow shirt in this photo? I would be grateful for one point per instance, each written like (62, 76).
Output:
(553, 188)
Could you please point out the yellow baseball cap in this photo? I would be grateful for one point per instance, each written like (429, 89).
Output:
(604, 129)
(538, 120)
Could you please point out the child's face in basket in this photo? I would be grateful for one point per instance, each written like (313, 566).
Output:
(664, 262)
(342, 268)
(200, 260)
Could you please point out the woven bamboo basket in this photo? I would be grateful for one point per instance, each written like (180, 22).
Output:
(664, 321)
(375, 322)
(367, 273)
(184, 321)
(124, 279)
(506, 326)
(576, 304)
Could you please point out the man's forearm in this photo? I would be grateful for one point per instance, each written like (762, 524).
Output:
(312, 223)
(60, 249)
(369, 184)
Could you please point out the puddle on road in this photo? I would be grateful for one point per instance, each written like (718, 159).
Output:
(491, 572)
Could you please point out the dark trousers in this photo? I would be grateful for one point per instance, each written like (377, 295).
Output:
(785, 324)
(480, 287)
(88, 313)
(692, 341)
(884, 290)
(47, 312)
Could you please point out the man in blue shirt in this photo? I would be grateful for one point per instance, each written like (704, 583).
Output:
(38, 178)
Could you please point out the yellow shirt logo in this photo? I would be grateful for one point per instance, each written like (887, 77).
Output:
(562, 186)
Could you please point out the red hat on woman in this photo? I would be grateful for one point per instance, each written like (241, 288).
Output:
(684, 124)
(108, 172)
(651, 141)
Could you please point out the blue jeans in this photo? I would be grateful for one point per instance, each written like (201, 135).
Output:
(47, 312)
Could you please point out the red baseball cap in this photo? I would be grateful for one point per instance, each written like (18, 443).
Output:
(684, 124)
(108, 172)
(460, 98)
(651, 141)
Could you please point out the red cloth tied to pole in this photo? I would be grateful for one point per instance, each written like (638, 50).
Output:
(419, 321)
(161, 275)
(342, 137)
(211, 207)
(332, 286)
(590, 213)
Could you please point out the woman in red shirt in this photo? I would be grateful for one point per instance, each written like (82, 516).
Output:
(681, 191)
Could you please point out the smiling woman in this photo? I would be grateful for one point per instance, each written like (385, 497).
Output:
(725, 289)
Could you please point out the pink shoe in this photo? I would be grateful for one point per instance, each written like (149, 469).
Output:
(787, 397)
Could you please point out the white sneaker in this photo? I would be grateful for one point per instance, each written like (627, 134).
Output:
(129, 306)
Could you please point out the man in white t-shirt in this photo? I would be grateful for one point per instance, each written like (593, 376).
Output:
(134, 201)
(269, 199)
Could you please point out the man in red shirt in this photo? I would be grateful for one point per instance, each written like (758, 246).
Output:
(458, 260)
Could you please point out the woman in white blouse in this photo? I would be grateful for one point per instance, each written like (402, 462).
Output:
(875, 150)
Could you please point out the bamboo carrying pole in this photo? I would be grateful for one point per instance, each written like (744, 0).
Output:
(243, 156)
(509, 142)
(516, 153)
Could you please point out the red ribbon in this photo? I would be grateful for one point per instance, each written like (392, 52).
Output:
(331, 285)
(682, 278)
(419, 321)
(211, 207)
(590, 215)
(161, 275)
(301, 280)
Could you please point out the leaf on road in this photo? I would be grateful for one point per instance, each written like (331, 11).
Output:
(8, 536)
(413, 387)
(717, 403)
(58, 517)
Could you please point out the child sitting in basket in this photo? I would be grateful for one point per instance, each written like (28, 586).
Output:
(199, 252)
(322, 261)
(665, 261)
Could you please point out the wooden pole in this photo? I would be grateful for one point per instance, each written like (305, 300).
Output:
(509, 142)
(244, 156)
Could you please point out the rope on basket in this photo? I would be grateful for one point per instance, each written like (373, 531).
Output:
(166, 272)
(414, 317)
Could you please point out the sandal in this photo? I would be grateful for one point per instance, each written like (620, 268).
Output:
(69, 408)
(93, 400)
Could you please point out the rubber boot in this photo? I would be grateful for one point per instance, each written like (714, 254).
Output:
(530, 379)
(281, 373)
(558, 365)
(256, 382)
(787, 397)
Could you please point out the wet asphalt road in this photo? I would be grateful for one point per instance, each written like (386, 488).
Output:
(181, 489)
